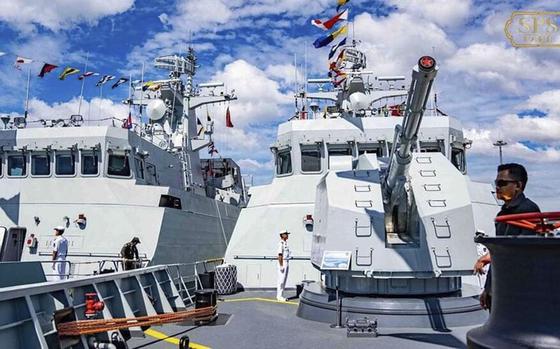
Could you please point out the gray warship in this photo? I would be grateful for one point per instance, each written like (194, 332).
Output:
(373, 172)
(383, 216)
(107, 184)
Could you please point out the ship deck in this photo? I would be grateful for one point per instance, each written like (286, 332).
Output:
(254, 319)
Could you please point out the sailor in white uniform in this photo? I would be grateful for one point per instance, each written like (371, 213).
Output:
(60, 250)
(283, 264)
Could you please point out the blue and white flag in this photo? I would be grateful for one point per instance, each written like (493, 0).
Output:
(336, 47)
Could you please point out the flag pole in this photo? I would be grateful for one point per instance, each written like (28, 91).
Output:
(100, 100)
(27, 93)
(83, 82)
(142, 92)
(130, 99)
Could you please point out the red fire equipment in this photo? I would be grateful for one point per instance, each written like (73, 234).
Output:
(93, 305)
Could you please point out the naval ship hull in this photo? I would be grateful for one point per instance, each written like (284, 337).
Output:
(115, 212)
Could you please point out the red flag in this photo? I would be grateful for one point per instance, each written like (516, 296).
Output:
(47, 68)
(396, 110)
(228, 118)
(128, 122)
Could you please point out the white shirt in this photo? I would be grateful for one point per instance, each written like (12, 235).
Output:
(284, 250)
(60, 245)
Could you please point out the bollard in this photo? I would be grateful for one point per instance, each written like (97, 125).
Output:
(525, 294)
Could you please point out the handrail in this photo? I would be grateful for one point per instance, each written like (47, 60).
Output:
(101, 263)
(256, 257)
(187, 283)
(48, 286)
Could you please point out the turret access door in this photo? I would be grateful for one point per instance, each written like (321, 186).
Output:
(12, 244)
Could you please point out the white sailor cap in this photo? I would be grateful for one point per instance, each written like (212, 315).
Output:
(59, 228)
(284, 231)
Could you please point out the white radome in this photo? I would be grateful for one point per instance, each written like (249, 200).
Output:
(156, 109)
(359, 101)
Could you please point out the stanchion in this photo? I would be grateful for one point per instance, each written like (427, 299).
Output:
(338, 323)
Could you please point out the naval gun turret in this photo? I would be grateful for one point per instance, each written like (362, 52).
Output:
(395, 197)
(394, 234)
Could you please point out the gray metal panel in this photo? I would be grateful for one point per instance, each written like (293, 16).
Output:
(446, 214)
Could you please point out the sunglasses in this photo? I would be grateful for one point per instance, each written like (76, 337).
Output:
(503, 182)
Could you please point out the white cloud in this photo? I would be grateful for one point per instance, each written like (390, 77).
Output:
(55, 15)
(393, 44)
(95, 111)
(505, 67)
(483, 140)
(286, 74)
(543, 132)
(250, 164)
(260, 99)
(448, 13)
(547, 101)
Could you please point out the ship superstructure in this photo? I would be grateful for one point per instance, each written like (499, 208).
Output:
(107, 184)
(344, 130)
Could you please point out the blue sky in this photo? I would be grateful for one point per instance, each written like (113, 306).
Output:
(497, 91)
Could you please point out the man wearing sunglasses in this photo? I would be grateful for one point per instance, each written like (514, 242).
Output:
(510, 184)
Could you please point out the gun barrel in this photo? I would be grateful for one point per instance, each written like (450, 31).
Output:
(423, 76)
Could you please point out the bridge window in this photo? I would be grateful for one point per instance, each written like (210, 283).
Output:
(65, 164)
(40, 165)
(340, 150)
(370, 149)
(170, 201)
(90, 163)
(17, 166)
(458, 159)
(284, 162)
(430, 147)
(310, 159)
(118, 165)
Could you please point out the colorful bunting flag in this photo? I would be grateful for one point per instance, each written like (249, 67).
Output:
(341, 3)
(325, 40)
(339, 79)
(87, 75)
(21, 60)
(119, 82)
(151, 85)
(47, 68)
(327, 25)
(104, 79)
(212, 149)
(199, 126)
(228, 118)
(68, 71)
(338, 63)
(334, 48)
(128, 122)
(146, 85)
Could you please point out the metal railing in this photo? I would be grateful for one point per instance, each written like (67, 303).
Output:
(118, 265)
(185, 276)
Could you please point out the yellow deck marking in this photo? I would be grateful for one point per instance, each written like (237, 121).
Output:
(258, 299)
(158, 335)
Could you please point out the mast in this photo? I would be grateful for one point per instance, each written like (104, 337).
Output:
(83, 82)
(27, 93)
